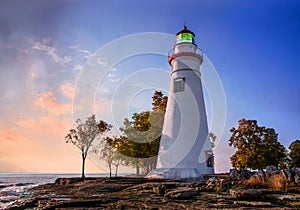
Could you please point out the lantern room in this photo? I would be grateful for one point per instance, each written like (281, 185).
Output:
(185, 35)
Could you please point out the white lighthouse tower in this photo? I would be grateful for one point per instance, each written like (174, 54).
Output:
(185, 149)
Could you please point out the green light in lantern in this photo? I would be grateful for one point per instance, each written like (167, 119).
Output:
(185, 37)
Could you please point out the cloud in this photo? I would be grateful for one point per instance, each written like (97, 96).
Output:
(37, 144)
(10, 135)
(77, 67)
(51, 51)
(33, 126)
(112, 75)
(48, 101)
(94, 61)
(102, 107)
(67, 90)
(103, 62)
(105, 67)
(87, 54)
(50, 127)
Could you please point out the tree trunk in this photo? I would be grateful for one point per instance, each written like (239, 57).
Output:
(83, 166)
(137, 168)
(148, 166)
(116, 174)
(109, 171)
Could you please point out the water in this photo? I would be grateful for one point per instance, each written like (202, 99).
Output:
(14, 186)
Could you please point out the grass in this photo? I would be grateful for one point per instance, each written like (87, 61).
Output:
(274, 182)
(219, 187)
(277, 182)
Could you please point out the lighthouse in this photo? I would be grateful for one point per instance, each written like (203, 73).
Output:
(185, 149)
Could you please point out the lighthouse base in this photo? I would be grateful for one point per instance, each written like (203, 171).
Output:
(188, 174)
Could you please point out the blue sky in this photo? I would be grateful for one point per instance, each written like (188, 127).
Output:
(254, 46)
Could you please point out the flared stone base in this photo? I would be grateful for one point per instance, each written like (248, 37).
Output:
(189, 174)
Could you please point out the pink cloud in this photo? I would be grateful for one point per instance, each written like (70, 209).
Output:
(10, 135)
(38, 145)
(103, 106)
(47, 101)
(67, 90)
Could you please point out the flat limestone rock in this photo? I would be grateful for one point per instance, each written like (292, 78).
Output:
(285, 197)
(246, 193)
(141, 193)
(186, 193)
(253, 203)
(291, 199)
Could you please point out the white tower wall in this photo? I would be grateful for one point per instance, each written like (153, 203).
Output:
(185, 143)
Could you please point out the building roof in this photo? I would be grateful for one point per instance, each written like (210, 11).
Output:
(185, 30)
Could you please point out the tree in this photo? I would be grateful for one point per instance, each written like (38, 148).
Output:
(256, 146)
(84, 135)
(142, 134)
(159, 101)
(274, 152)
(142, 138)
(295, 153)
(106, 153)
(125, 150)
(109, 152)
(118, 159)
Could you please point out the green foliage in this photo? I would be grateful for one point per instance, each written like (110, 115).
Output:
(257, 146)
(141, 138)
(142, 134)
(109, 153)
(159, 101)
(295, 153)
(84, 134)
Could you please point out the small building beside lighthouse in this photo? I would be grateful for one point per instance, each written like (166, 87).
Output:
(185, 149)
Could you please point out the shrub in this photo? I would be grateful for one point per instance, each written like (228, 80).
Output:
(276, 182)
(273, 182)
(255, 182)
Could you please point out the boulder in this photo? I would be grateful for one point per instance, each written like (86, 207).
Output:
(245, 174)
(297, 176)
(259, 174)
(233, 173)
(270, 170)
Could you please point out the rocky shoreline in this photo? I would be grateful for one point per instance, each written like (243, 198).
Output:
(143, 193)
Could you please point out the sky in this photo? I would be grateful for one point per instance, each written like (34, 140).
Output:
(45, 47)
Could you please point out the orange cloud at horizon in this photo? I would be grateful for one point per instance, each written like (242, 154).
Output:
(42, 149)
(36, 143)
(10, 135)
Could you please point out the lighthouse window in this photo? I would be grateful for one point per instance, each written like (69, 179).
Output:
(178, 85)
